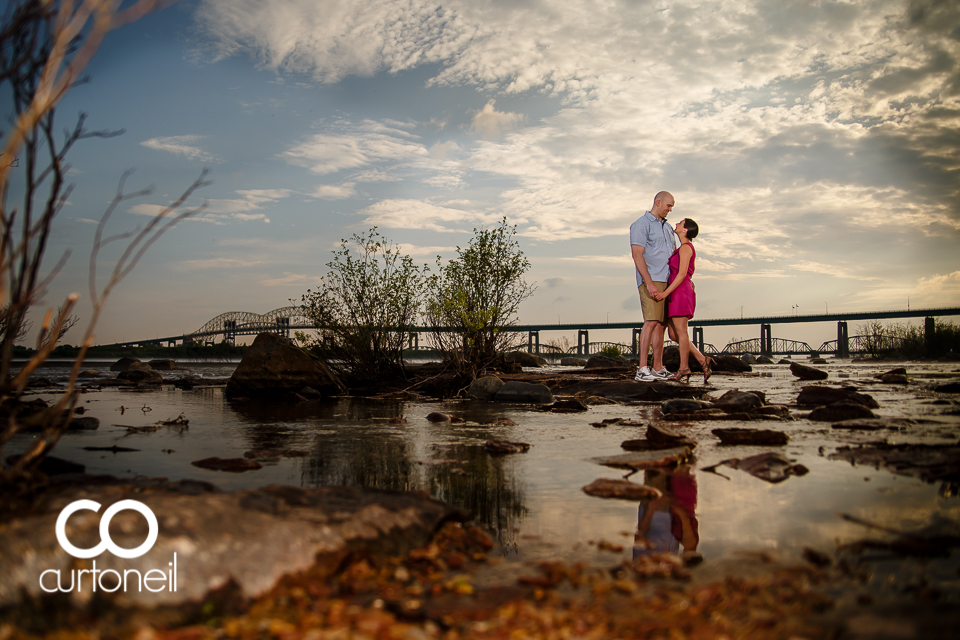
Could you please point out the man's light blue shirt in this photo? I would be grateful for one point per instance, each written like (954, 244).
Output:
(656, 238)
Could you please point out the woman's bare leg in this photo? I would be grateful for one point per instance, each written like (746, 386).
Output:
(679, 324)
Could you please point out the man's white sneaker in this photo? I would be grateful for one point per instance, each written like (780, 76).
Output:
(663, 374)
(644, 374)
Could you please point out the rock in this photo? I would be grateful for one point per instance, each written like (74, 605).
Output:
(663, 434)
(83, 423)
(785, 361)
(839, 411)
(646, 459)
(621, 490)
(514, 391)
(309, 393)
(737, 436)
(572, 362)
(950, 387)
(736, 400)
(770, 467)
(52, 466)
(807, 373)
(894, 378)
(264, 455)
(485, 388)
(606, 362)
(682, 404)
(818, 361)
(140, 372)
(567, 405)
(901, 371)
(274, 365)
(873, 424)
(244, 541)
(730, 364)
(627, 390)
(645, 444)
(89, 373)
(233, 465)
(123, 364)
(525, 359)
(815, 395)
(502, 447)
(748, 358)
(163, 364)
(436, 416)
(764, 360)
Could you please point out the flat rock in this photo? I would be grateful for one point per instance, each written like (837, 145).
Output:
(631, 390)
(646, 444)
(567, 405)
(621, 490)
(233, 465)
(839, 411)
(804, 372)
(524, 359)
(526, 392)
(606, 362)
(950, 387)
(682, 404)
(83, 423)
(929, 462)
(123, 364)
(894, 378)
(140, 372)
(274, 365)
(485, 388)
(872, 424)
(737, 436)
(572, 362)
(817, 395)
(244, 540)
(666, 435)
(646, 459)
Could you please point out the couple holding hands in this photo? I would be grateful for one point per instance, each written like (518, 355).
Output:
(667, 296)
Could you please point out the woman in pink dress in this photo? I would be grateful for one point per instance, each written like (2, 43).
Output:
(682, 299)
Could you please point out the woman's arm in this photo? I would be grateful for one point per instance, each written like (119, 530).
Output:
(685, 254)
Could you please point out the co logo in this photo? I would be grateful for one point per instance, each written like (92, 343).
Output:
(106, 543)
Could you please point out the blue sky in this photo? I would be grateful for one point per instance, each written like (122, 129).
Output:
(816, 144)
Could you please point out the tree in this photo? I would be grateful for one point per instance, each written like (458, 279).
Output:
(364, 307)
(475, 299)
(44, 48)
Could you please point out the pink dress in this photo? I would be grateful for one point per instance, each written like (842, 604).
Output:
(683, 300)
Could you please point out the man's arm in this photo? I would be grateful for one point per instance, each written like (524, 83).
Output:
(641, 265)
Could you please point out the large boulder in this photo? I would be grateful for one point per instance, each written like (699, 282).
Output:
(818, 396)
(525, 359)
(606, 362)
(273, 366)
(123, 364)
(485, 388)
(140, 373)
(515, 391)
(807, 373)
(570, 361)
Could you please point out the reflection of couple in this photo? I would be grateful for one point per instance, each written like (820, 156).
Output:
(667, 522)
(665, 306)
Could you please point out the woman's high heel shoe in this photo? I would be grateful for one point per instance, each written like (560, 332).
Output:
(707, 369)
(681, 376)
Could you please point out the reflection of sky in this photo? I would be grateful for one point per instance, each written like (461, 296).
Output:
(534, 498)
(814, 143)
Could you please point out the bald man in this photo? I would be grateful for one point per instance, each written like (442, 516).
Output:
(651, 244)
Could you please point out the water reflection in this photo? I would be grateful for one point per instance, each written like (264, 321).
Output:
(356, 441)
(667, 523)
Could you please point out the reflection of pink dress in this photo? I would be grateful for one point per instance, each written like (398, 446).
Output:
(683, 300)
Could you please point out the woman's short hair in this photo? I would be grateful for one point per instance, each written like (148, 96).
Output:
(691, 227)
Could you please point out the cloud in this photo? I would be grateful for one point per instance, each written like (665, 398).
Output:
(553, 282)
(491, 124)
(334, 192)
(180, 145)
(417, 214)
(353, 146)
(289, 279)
(223, 210)
(217, 263)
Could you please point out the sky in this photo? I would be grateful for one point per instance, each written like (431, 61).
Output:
(815, 143)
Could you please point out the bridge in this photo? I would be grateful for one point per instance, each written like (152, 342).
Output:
(285, 319)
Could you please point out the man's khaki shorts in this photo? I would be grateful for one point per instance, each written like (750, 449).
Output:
(652, 309)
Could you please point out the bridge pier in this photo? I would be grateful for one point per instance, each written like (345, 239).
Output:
(583, 342)
(635, 340)
(766, 340)
(698, 338)
(929, 331)
(533, 342)
(283, 327)
(413, 340)
(843, 340)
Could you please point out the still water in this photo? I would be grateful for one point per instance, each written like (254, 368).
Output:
(532, 503)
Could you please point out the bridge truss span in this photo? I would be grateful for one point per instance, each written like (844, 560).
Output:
(234, 323)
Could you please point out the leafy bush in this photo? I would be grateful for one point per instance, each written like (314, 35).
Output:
(364, 307)
(611, 351)
(475, 298)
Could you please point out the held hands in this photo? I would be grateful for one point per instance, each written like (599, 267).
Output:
(653, 291)
(659, 295)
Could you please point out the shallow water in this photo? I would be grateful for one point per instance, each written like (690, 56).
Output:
(532, 503)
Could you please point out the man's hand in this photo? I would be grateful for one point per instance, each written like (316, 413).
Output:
(652, 290)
